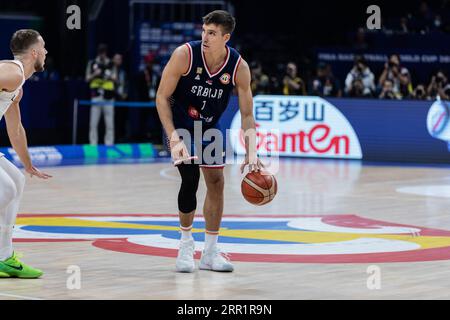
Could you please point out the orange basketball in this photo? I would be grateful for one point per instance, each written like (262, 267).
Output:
(259, 188)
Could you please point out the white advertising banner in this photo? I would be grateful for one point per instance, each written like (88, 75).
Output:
(299, 126)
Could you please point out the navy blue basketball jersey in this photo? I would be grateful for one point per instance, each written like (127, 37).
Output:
(202, 95)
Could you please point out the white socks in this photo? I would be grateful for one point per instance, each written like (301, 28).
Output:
(186, 233)
(211, 238)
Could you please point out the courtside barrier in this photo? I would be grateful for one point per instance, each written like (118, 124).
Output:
(84, 154)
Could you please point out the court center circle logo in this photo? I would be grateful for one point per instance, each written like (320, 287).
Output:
(256, 238)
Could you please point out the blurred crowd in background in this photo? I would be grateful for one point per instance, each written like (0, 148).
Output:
(278, 44)
(394, 82)
(303, 75)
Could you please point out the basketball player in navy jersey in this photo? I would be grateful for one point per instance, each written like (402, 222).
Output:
(195, 89)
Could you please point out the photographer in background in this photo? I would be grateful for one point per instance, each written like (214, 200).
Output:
(260, 81)
(419, 93)
(387, 91)
(396, 73)
(446, 92)
(439, 86)
(360, 81)
(101, 78)
(356, 89)
(406, 86)
(293, 85)
(324, 83)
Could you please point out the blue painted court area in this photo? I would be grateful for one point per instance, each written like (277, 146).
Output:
(117, 232)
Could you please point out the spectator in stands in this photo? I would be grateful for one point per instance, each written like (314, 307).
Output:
(121, 93)
(404, 25)
(446, 92)
(394, 72)
(144, 123)
(419, 93)
(387, 91)
(357, 89)
(360, 75)
(101, 78)
(293, 84)
(438, 86)
(406, 87)
(121, 83)
(423, 20)
(324, 83)
(277, 78)
(260, 81)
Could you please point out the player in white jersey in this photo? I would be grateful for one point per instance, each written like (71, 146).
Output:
(28, 48)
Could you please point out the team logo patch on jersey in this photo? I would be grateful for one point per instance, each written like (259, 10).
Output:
(225, 78)
(251, 238)
(209, 82)
(193, 113)
(199, 70)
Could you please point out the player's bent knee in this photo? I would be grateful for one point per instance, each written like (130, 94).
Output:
(187, 197)
(215, 183)
(9, 193)
(190, 175)
(187, 203)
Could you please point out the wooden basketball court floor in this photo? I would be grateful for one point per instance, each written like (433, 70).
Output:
(332, 223)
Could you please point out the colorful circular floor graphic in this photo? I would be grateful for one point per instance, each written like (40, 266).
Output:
(257, 238)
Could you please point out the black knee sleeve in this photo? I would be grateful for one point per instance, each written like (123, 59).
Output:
(187, 197)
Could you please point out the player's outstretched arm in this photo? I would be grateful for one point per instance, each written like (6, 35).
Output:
(18, 138)
(175, 68)
(243, 79)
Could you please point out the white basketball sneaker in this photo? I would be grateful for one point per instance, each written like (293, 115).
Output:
(215, 260)
(185, 259)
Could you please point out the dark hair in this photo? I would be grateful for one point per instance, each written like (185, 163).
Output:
(22, 40)
(221, 18)
(102, 49)
(360, 59)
